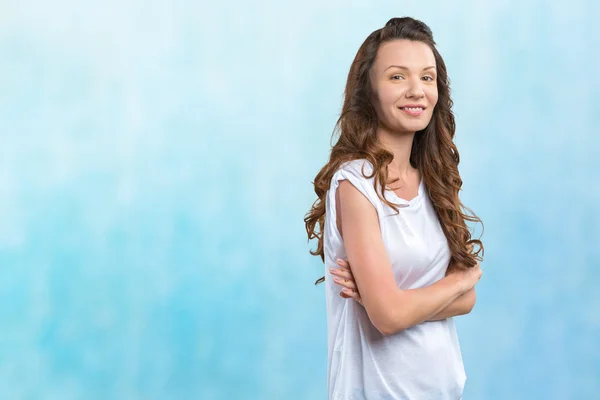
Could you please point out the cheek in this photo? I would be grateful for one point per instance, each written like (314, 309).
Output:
(388, 97)
(385, 105)
(432, 98)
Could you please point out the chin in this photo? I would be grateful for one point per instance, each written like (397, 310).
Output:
(412, 127)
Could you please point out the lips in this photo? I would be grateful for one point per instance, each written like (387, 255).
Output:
(413, 107)
(413, 111)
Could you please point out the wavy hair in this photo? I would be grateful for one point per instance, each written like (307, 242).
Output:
(433, 150)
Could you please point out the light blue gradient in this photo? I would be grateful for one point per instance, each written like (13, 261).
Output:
(156, 161)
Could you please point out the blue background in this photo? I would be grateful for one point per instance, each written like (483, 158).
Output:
(156, 161)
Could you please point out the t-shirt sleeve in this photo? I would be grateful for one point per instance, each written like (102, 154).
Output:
(352, 172)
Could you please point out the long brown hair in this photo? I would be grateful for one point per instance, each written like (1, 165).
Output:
(433, 150)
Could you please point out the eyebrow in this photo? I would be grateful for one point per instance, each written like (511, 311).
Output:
(403, 67)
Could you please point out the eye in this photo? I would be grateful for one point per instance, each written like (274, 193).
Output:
(397, 75)
(430, 78)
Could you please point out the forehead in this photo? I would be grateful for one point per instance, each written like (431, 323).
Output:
(411, 54)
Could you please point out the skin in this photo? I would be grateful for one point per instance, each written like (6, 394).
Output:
(403, 73)
(343, 277)
(394, 87)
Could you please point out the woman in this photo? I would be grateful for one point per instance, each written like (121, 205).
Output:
(410, 259)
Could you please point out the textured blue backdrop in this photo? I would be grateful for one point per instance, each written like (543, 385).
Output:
(156, 161)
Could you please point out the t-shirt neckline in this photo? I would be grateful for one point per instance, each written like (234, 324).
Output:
(412, 201)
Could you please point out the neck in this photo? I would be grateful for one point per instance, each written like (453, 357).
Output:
(400, 145)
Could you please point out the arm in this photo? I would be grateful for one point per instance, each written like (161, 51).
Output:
(389, 308)
(461, 306)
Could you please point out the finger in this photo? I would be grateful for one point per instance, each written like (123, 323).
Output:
(347, 283)
(350, 294)
(343, 263)
(356, 296)
(344, 274)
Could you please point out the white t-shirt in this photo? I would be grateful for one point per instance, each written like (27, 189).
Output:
(421, 362)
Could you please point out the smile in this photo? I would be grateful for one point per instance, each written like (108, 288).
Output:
(414, 111)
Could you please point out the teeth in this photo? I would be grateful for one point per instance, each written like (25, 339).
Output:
(413, 109)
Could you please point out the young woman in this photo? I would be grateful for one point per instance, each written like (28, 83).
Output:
(388, 203)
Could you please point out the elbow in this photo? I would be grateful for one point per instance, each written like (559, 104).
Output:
(386, 330)
(390, 314)
(383, 325)
(393, 324)
(382, 322)
(467, 310)
(471, 306)
(470, 303)
(394, 319)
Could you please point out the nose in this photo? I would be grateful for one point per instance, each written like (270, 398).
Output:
(415, 90)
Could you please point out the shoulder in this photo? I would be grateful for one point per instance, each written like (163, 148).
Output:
(360, 168)
(355, 174)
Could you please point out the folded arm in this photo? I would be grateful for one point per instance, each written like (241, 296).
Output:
(389, 308)
(461, 306)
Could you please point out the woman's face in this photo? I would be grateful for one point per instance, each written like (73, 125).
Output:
(404, 85)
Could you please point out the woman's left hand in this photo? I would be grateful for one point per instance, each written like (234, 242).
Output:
(343, 277)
